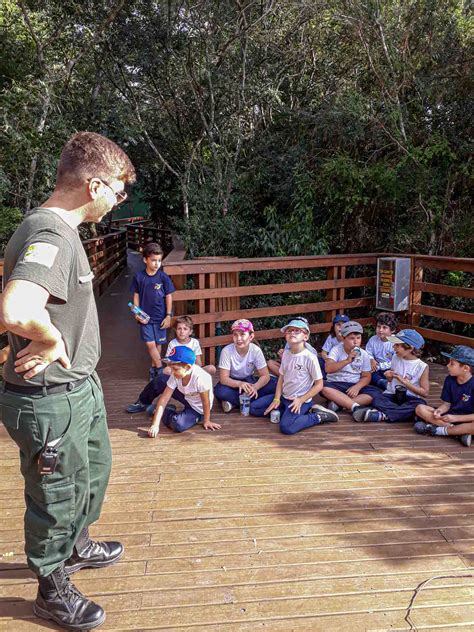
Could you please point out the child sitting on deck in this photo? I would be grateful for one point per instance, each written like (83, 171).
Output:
(184, 329)
(380, 349)
(237, 364)
(455, 415)
(299, 381)
(335, 336)
(408, 381)
(274, 365)
(190, 385)
(348, 369)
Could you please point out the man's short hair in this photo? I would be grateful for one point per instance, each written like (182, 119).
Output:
(89, 155)
(152, 249)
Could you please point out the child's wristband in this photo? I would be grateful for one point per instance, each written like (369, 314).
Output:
(276, 400)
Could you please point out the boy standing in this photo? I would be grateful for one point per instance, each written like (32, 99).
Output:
(380, 349)
(152, 289)
(455, 415)
(299, 381)
(348, 369)
(190, 385)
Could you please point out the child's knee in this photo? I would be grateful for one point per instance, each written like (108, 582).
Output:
(287, 426)
(179, 423)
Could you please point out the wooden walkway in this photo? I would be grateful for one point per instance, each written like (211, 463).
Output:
(248, 529)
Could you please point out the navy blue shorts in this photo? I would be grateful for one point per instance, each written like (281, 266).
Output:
(343, 387)
(153, 333)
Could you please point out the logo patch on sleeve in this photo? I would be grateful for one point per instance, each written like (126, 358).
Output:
(42, 253)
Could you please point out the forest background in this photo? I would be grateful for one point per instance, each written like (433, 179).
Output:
(258, 127)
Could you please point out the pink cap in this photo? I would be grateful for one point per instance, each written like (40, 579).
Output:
(242, 325)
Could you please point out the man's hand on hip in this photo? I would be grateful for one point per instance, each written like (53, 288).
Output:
(35, 357)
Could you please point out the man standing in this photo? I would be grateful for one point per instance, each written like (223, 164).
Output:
(52, 403)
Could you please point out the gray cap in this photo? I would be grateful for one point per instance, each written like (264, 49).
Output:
(462, 354)
(352, 327)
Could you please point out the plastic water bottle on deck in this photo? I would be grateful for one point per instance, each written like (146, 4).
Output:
(142, 316)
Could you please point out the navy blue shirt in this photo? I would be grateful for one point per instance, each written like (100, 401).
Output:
(152, 290)
(460, 396)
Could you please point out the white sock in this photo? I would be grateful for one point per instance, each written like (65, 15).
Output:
(441, 431)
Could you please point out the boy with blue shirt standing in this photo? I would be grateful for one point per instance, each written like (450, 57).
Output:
(455, 415)
(152, 292)
(380, 349)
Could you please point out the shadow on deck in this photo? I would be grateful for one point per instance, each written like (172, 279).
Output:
(330, 529)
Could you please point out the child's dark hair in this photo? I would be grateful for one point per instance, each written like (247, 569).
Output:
(416, 352)
(152, 249)
(387, 318)
(184, 320)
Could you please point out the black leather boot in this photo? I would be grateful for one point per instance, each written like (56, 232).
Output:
(90, 554)
(60, 601)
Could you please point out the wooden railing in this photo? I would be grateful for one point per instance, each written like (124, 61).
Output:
(208, 302)
(107, 257)
(120, 223)
(141, 233)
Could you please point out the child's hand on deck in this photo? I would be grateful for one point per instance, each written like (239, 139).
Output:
(210, 425)
(153, 431)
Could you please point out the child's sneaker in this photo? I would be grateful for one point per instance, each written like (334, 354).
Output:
(358, 414)
(333, 406)
(374, 415)
(150, 410)
(421, 427)
(466, 439)
(325, 415)
(226, 406)
(137, 407)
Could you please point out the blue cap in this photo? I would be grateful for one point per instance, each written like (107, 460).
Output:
(340, 318)
(408, 337)
(462, 354)
(181, 354)
(299, 322)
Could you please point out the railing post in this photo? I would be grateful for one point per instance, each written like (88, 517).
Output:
(211, 327)
(415, 295)
(332, 293)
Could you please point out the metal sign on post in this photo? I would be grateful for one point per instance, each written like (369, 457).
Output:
(393, 283)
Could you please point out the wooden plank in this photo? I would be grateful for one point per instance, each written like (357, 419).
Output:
(444, 263)
(443, 336)
(445, 290)
(445, 314)
(275, 288)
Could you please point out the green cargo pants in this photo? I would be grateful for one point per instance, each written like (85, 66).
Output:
(60, 505)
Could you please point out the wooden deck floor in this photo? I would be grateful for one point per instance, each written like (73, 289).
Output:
(248, 529)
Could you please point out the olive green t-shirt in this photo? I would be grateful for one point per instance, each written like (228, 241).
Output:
(47, 251)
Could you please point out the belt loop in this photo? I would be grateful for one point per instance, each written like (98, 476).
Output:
(44, 390)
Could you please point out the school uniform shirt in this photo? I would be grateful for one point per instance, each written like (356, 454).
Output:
(460, 396)
(299, 371)
(192, 344)
(351, 372)
(382, 352)
(152, 290)
(412, 370)
(240, 367)
(200, 382)
(330, 343)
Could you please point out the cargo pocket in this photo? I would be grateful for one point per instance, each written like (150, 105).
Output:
(10, 416)
(50, 510)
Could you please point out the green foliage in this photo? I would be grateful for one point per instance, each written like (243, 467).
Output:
(10, 218)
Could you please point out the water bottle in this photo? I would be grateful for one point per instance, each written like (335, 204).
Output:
(244, 400)
(143, 316)
(357, 351)
(275, 416)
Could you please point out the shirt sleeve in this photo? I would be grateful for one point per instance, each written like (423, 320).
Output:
(327, 346)
(366, 362)
(224, 360)
(333, 354)
(172, 382)
(369, 347)
(196, 346)
(446, 394)
(259, 358)
(314, 368)
(168, 286)
(47, 260)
